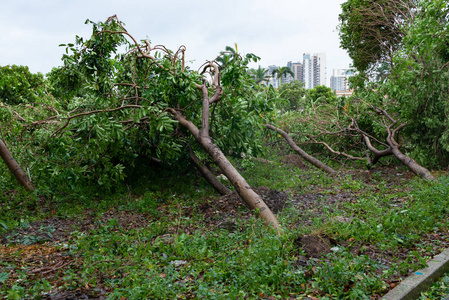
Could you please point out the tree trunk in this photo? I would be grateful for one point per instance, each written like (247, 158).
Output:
(316, 162)
(251, 199)
(392, 146)
(412, 165)
(207, 174)
(14, 167)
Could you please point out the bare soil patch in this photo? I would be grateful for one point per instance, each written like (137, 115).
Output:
(294, 160)
(230, 206)
(315, 245)
(58, 229)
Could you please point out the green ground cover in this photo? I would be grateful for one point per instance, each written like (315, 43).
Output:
(169, 236)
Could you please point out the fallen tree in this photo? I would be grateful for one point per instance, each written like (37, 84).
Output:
(202, 136)
(148, 102)
(14, 167)
(314, 161)
(390, 145)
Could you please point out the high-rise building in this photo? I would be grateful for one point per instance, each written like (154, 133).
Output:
(340, 79)
(314, 69)
(297, 70)
(307, 70)
(319, 69)
(274, 81)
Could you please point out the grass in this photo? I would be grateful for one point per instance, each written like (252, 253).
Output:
(392, 224)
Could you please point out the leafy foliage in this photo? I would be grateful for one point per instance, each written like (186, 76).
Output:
(18, 85)
(282, 72)
(321, 94)
(292, 94)
(112, 109)
(260, 75)
(371, 30)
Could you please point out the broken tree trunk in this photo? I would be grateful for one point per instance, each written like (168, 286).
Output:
(392, 145)
(316, 162)
(412, 165)
(251, 199)
(207, 174)
(14, 167)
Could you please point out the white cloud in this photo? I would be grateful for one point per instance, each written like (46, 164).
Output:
(277, 31)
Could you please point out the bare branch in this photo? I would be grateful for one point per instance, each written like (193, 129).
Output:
(317, 163)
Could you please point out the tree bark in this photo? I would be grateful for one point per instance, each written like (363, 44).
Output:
(14, 167)
(316, 162)
(251, 199)
(207, 174)
(412, 165)
(392, 145)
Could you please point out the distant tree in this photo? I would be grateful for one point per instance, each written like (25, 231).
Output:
(282, 73)
(292, 94)
(321, 94)
(259, 75)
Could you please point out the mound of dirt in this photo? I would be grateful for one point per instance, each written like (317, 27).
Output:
(231, 205)
(232, 202)
(314, 246)
(294, 160)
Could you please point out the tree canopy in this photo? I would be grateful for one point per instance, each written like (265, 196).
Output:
(282, 72)
(371, 31)
(18, 85)
(413, 61)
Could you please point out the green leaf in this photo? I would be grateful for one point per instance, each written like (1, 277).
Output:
(13, 295)
(3, 224)
(4, 276)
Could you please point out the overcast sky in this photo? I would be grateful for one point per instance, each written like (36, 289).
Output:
(277, 31)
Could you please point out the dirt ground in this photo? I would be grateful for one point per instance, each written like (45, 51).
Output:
(48, 256)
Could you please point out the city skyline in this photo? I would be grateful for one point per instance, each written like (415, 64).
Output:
(312, 71)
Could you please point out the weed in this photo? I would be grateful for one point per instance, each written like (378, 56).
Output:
(178, 252)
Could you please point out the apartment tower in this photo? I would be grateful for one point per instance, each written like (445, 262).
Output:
(314, 70)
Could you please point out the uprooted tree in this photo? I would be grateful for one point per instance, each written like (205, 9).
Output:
(114, 107)
(377, 139)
